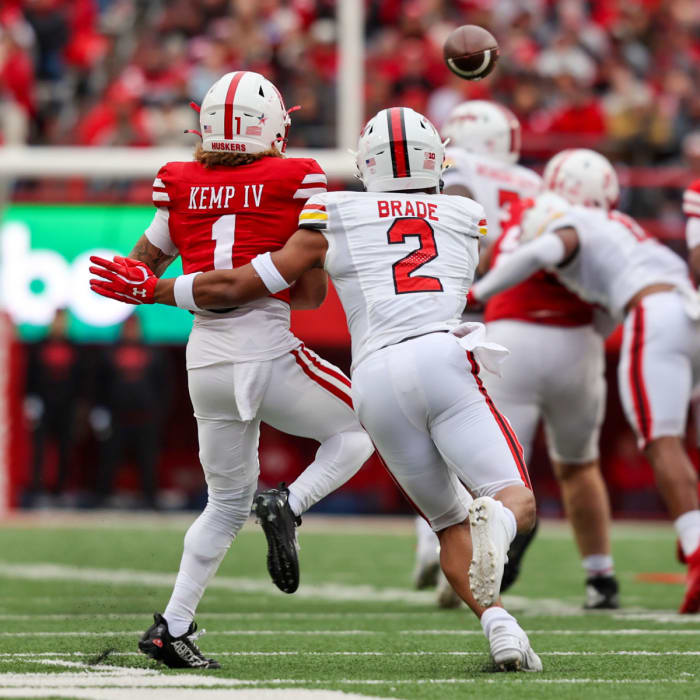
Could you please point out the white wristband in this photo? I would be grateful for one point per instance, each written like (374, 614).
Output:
(184, 292)
(692, 232)
(269, 274)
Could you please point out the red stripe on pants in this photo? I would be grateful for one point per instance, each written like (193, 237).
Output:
(637, 385)
(323, 368)
(511, 438)
(339, 393)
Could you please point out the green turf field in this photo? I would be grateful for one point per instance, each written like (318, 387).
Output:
(71, 591)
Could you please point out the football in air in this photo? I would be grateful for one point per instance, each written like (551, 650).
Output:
(470, 52)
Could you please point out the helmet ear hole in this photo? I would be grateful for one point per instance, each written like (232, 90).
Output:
(260, 92)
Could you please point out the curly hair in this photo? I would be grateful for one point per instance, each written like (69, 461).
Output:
(210, 159)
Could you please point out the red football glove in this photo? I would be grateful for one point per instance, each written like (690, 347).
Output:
(123, 279)
(472, 302)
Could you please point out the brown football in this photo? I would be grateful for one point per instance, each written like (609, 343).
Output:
(470, 52)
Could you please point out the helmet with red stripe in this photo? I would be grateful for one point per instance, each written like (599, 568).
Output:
(243, 112)
(582, 176)
(399, 149)
(484, 127)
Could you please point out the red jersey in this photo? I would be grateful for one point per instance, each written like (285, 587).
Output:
(539, 299)
(222, 217)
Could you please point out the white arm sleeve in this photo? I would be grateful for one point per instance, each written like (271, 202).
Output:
(158, 232)
(692, 232)
(269, 274)
(183, 290)
(546, 251)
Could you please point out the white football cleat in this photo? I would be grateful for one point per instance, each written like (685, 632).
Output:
(510, 648)
(446, 596)
(490, 548)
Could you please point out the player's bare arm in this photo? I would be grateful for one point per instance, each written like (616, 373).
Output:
(459, 190)
(310, 290)
(144, 251)
(133, 282)
(694, 260)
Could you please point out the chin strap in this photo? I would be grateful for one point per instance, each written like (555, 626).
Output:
(296, 108)
(197, 109)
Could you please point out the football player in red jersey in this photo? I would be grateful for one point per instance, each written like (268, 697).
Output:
(545, 326)
(238, 199)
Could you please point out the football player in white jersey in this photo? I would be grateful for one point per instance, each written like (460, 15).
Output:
(481, 159)
(402, 257)
(608, 259)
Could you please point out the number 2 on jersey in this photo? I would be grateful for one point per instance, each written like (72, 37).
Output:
(224, 233)
(404, 280)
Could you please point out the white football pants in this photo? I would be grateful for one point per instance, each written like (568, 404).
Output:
(556, 374)
(659, 365)
(434, 425)
(298, 393)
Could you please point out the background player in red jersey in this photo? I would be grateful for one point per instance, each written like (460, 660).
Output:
(556, 374)
(236, 200)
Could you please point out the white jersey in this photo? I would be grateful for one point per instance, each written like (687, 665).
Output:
(616, 259)
(401, 263)
(493, 183)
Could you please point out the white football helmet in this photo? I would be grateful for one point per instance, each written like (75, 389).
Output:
(547, 207)
(484, 127)
(399, 149)
(243, 112)
(582, 176)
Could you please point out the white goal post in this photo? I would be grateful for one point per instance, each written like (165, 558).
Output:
(130, 163)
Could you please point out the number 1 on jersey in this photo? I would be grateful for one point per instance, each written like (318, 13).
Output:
(404, 282)
(224, 233)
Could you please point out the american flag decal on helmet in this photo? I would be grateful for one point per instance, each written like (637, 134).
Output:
(397, 142)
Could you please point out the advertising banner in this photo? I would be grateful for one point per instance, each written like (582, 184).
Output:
(45, 254)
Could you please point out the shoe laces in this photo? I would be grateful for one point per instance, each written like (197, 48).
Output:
(196, 634)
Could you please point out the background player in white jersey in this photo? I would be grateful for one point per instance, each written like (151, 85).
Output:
(237, 199)
(401, 257)
(608, 259)
(482, 155)
(481, 159)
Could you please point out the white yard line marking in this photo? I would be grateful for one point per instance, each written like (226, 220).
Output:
(512, 602)
(358, 632)
(54, 658)
(126, 577)
(329, 591)
(127, 678)
(187, 694)
(612, 633)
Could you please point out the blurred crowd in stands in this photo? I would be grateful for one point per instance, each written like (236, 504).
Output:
(612, 73)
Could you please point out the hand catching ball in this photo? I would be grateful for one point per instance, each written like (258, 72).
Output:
(470, 52)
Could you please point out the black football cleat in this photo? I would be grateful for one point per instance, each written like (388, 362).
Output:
(516, 552)
(279, 524)
(602, 593)
(174, 652)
